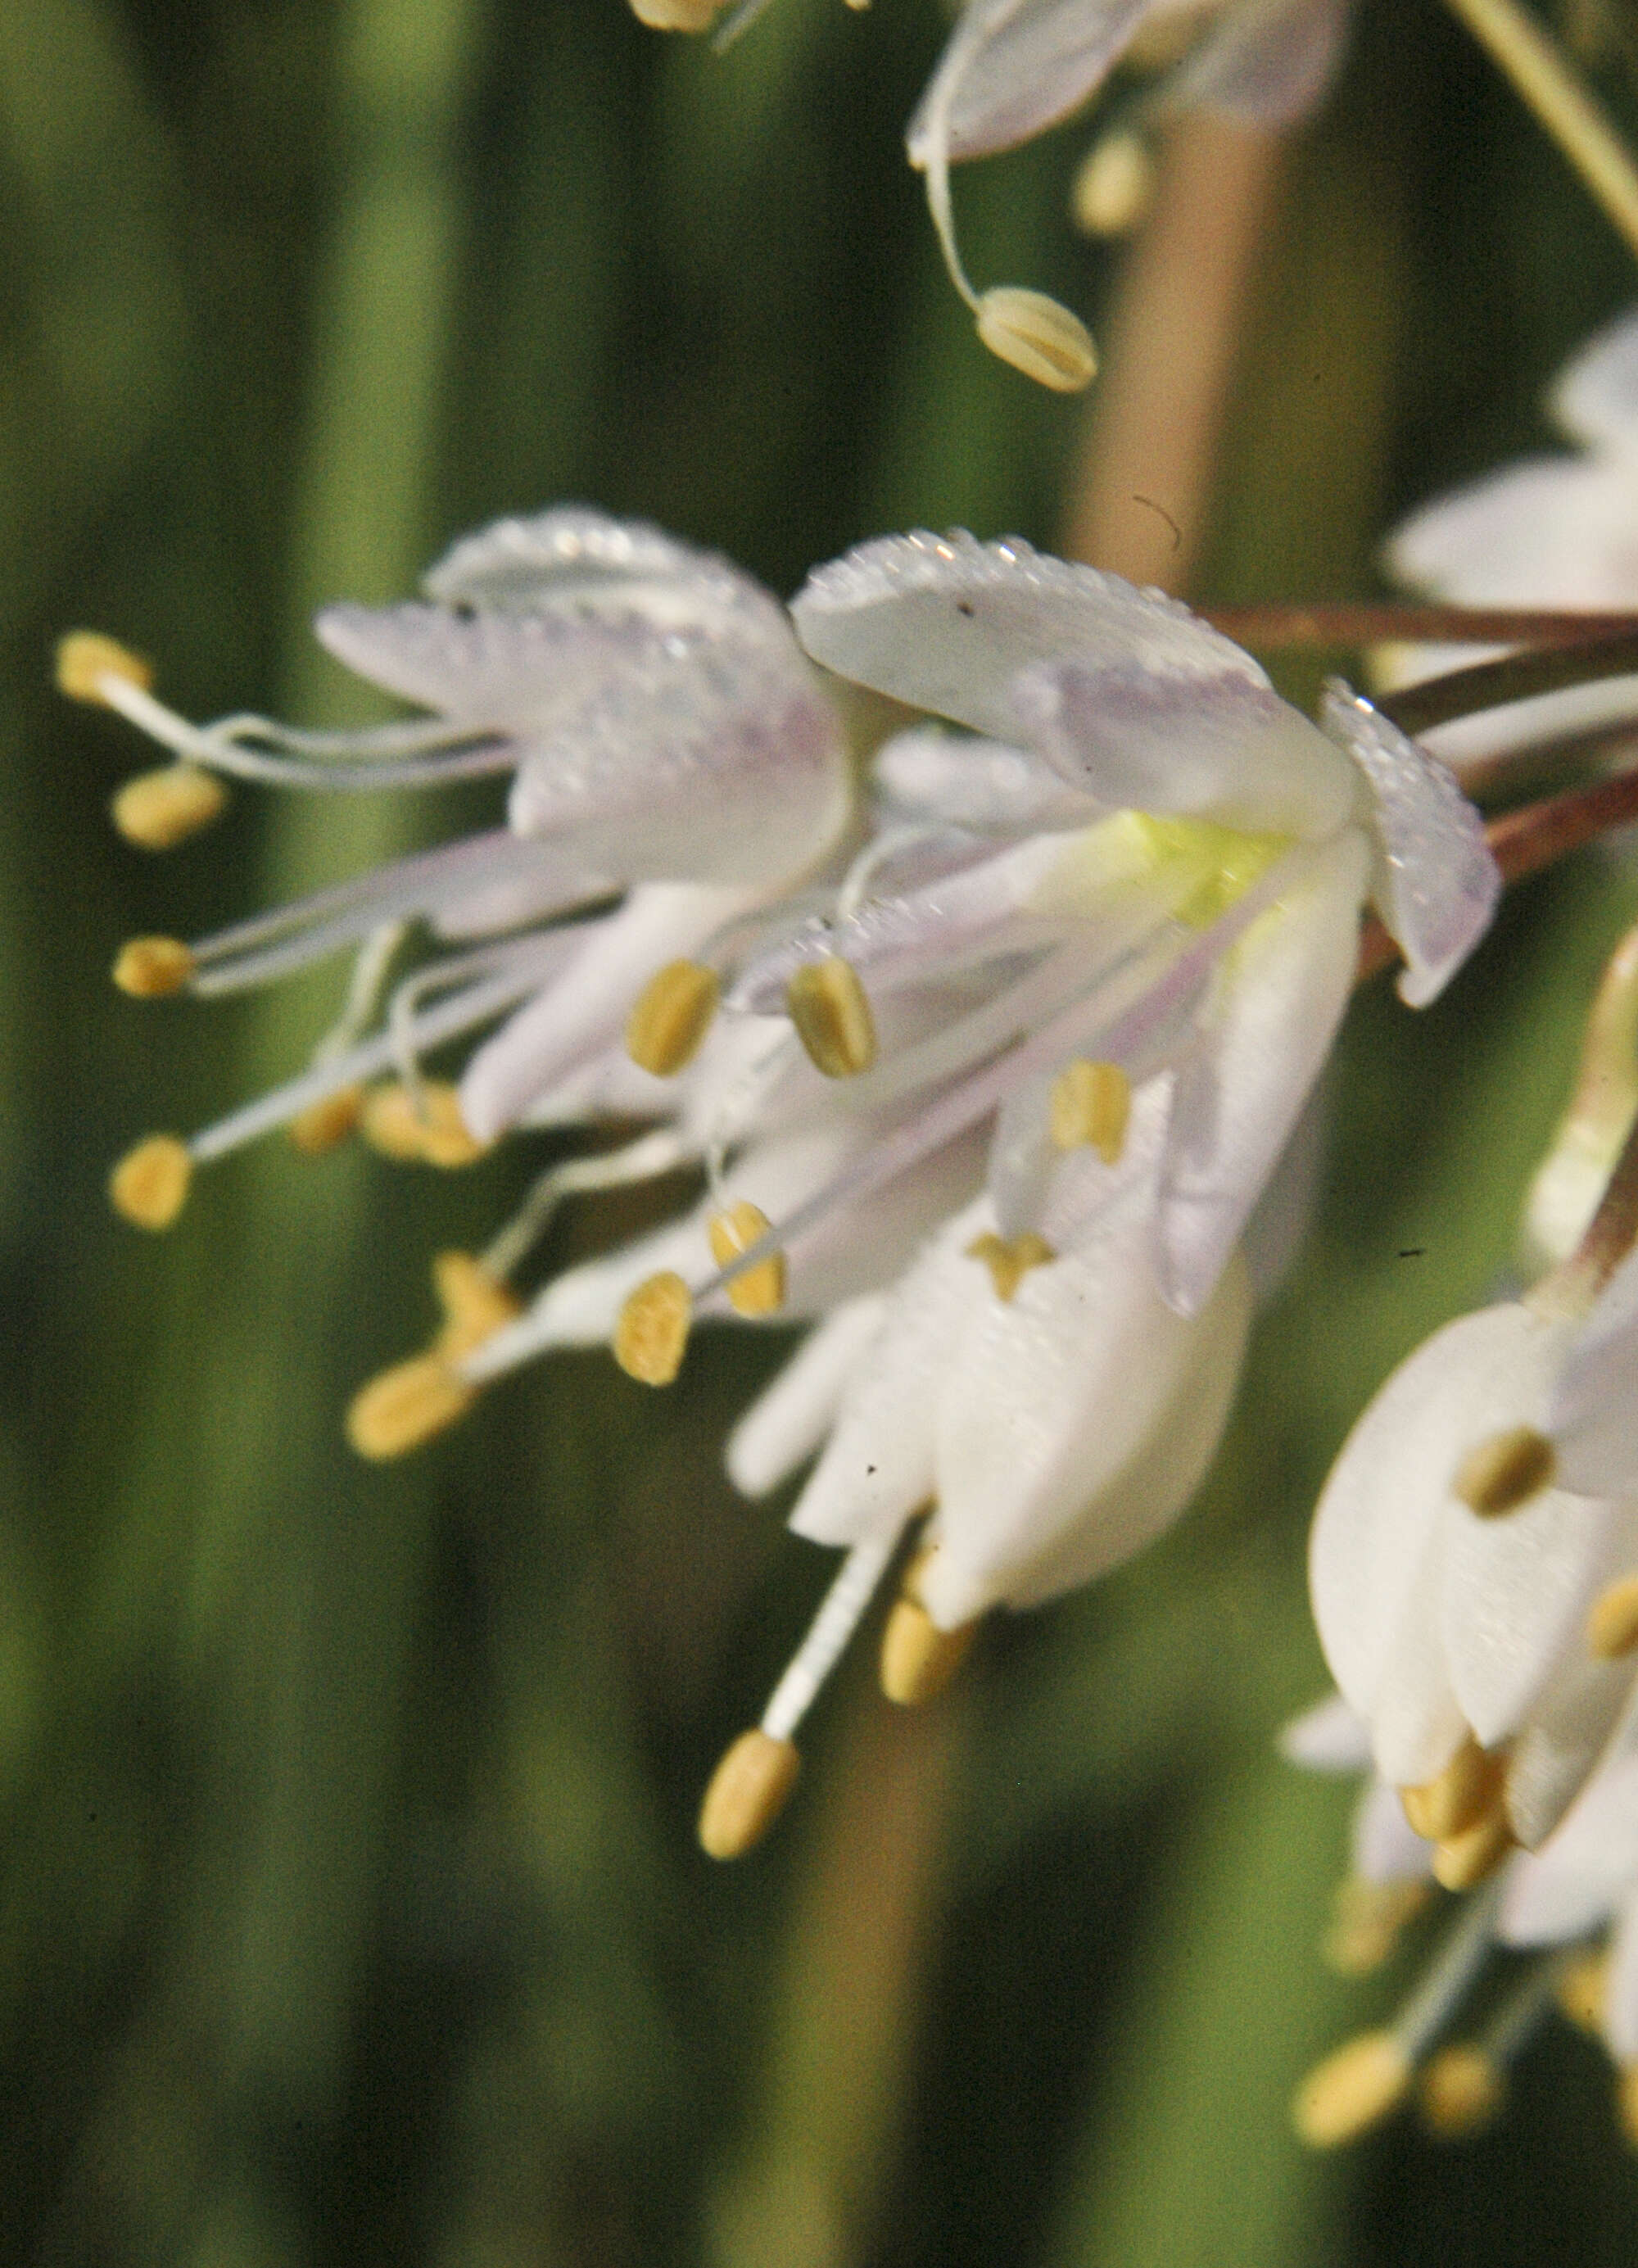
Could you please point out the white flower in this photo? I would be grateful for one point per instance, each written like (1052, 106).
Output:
(1013, 68)
(666, 741)
(1472, 1563)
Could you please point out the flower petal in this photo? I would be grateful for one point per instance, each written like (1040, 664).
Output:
(1585, 1868)
(1592, 1415)
(1012, 68)
(1266, 1032)
(1434, 882)
(1546, 529)
(1330, 1737)
(791, 1416)
(927, 773)
(1595, 399)
(512, 564)
(1266, 64)
(1386, 1848)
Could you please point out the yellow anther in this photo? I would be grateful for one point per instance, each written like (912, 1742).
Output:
(1367, 1921)
(1612, 1621)
(671, 1017)
(1352, 2090)
(85, 658)
(476, 1304)
(149, 1186)
(1112, 190)
(1454, 1800)
(152, 968)
(1038, 336)
(158, 810)
(1461, 1860)
(420, 1126)
(323, 1125)
(1009, 1263)
(918, 1658)
(1461, 2092)
(1505, 1471)
(1091, 1105)
(760, 1290)
(1584, 1989)
(406, 1405)
(652, 1333)
(677, 15)
(748, 1791)
(829, 1006)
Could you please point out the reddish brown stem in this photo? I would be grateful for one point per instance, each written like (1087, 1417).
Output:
(1360, 622)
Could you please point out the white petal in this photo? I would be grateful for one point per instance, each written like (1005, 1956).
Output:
(927, 773)
(512, 564)
(1569, 1732)
(790, 1419)
(1594, 398)
(1547, 532)
(1216, 747)
(1417, 1726)
(1381, 1514)
(947, 623)
(1330, 1737)
(878, 1466)
(584, 1010)
(1386, 1848)
(1266, 1032)
(1593, 1413)
(1013, 66)
(1585, 1867)
(1266, 65)
(1434, 879)
(1074, 1424)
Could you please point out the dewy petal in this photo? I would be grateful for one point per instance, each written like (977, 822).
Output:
(1263, 63)
(1214, 746)
(947, 623)
(584, 1010)
(1434, 882)
(790, 1419)
(1074, 1424)
(877, 1468)
(1595, 399)
(1280, 996)
(1592, 1415)
(1012, 68)
(512, 565)
(1589, 1864)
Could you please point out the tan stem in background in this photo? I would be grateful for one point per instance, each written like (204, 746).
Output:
(1141, 491)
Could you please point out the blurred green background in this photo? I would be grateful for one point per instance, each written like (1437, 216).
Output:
(350, 1904)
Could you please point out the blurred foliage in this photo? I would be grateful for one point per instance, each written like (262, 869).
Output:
(349, 1908)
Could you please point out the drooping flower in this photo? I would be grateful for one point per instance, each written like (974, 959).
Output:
(1473, 1562)
(1110, 939)
(669, 749)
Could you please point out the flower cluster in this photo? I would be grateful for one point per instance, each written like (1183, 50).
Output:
(985, 1072)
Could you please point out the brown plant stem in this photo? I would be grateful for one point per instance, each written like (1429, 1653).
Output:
(1272, 625)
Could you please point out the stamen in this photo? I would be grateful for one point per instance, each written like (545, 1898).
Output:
(152, 968)
(759, 1291)
(832, 1014)
(149, 1186)
(1612, 1621)
(1037, 336)
(1091, 1105)
(406, 1405)
(837, 1619)
(642, 1160)
(88, 664)
(1461, 1860)
(1367, 1921)
(1462, 2090)
(1584, 1988)
(671, 1017)
(156, 810)
(748, 1791)
(323, 1125)
(652, 1333)
(1505, 1471)
(1354, 2089)
(1009, 1263)
(475, 1303)
(918, 1658)
(1467, 1789)
(1112, 188)
(420, 1125)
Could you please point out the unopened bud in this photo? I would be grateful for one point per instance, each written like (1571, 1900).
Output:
(1039, 337)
